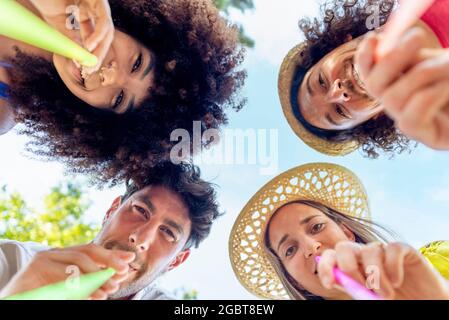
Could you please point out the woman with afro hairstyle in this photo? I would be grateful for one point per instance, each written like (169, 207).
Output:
(163, 64)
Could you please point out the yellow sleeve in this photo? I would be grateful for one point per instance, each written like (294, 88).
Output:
(437, 253)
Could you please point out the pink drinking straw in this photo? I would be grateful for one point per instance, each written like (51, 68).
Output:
(352, 287)
(408, 14)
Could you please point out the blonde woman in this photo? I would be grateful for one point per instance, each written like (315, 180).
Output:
(322, 210)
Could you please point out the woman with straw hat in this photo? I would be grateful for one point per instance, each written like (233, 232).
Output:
(337, 99)
(322, 210)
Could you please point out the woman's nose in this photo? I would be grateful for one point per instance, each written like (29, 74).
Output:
(339, 93)
(313, 249)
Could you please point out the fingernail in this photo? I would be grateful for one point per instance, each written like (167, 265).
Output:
(91, 47)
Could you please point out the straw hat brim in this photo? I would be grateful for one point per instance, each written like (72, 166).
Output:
(285, 81)
(328, 184)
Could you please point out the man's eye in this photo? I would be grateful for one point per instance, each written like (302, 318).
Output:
(321, 80)
(169, 233)
(119, 100)
(137, 64)
(141, 210)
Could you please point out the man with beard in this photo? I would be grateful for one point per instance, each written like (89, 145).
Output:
(146, 232)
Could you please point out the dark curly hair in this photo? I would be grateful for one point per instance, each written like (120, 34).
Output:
(197, 77)
(339, 19)
(185, 180)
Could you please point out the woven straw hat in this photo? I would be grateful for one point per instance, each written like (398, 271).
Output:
(328, 184)
(287, 74)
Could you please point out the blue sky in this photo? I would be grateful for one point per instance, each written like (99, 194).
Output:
(409, 194)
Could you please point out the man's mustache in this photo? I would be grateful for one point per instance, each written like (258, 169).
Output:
(117, 245)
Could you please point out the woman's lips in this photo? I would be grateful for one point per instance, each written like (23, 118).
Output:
(351, 76)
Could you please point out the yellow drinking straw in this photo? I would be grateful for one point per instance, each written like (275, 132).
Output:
(19, 23)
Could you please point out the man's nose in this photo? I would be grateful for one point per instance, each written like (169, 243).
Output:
(144, 237)
(339, 93)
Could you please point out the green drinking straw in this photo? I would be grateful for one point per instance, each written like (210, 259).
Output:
(88, 284)
(19, 23)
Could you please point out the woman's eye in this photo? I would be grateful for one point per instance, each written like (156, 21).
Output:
(321, 80)
(119, 100)
(290, 251)
(137, 64)
(317, 228)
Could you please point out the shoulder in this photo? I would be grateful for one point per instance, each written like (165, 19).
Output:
(22, 251)
(15, 255)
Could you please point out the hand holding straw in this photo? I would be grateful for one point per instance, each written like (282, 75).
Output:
(87, 285)
(352, 287)
(19, 23)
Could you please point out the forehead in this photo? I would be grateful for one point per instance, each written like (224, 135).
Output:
(294, 211)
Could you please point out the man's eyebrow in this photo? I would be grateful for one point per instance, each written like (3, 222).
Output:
(147, 202)
(176, 226)
(149, 67)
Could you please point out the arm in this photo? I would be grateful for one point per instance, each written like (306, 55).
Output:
(51, 266)
(6, 117)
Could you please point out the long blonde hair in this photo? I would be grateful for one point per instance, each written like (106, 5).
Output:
(365, 232)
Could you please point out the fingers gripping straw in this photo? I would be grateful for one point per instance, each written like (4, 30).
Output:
(18, 23)
(87, 285)
(408, 14)
(352, 287)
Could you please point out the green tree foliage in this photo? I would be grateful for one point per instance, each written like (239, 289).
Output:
(60, 223)
(242, 5)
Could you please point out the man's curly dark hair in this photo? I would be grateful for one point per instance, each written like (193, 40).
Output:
(197, 77)
(198, 195)
(339, 19)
